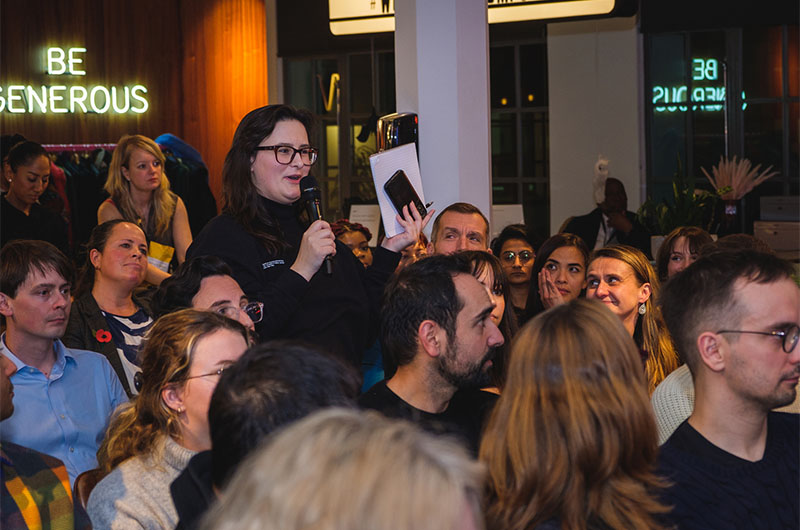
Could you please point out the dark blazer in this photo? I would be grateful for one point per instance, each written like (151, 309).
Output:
(587, 226)
(87, 326)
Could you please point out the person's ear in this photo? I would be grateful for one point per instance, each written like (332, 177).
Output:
(125, 173)
(429, 248)
(430, 337)
(712, 349)
(94, 258)
(5, 305)
(172, 395)
(644, 292)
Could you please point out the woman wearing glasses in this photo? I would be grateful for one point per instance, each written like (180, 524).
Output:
(276, 257)
(139, 193)
(151, 439)
(516, 250)
(107, 317)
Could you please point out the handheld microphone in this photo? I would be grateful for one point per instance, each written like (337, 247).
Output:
(309, 192)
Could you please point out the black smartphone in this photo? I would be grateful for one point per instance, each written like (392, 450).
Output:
(401, 192)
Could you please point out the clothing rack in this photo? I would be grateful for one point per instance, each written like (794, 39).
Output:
(58, 148)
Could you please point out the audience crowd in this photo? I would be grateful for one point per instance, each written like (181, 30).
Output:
(277, 371)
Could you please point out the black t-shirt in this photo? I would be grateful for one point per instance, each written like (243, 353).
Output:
(41, 224)
(464, 417)
(712, 488)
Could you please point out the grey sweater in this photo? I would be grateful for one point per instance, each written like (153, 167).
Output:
(136, 494)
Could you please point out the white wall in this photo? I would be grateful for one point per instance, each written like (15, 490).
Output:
(595, 79)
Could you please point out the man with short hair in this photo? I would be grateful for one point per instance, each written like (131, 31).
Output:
(437, 329)
(270, 386)
(460, 226)
(611, 223)
(734, 463)
(65, 396)
(205, 282)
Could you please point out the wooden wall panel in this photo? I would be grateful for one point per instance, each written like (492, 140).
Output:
(224, 71)
(204, 63)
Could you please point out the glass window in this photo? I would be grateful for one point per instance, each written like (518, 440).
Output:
(505, 193)
(533, 75)
(504, 145)
(535, 145)
(793, 53)
(502, 77)
(762, 62)
(300, 83)
(360, 84)
(763, 134)
(386, 84)
(536, 207)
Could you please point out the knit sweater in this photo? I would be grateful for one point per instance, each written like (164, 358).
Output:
(713, 489)
(136, 494)
(673, 402)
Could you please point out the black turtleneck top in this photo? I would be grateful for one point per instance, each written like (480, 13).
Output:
(337, 312)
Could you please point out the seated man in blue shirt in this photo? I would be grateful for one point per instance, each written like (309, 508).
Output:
(64, 397)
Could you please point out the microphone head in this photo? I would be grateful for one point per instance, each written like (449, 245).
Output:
(308, 184)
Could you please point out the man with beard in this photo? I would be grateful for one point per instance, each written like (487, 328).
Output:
(436, 327)
(734, 463)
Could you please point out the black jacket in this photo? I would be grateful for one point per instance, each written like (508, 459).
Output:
(587, 226)
(86, 321)
(192, 492)
(337, 312)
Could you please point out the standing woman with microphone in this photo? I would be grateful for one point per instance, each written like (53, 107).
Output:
(276, 258)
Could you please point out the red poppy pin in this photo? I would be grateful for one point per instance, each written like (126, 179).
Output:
(103, 335)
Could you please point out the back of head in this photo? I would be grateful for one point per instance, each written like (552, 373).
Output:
(344, 469)
(462, 208)
(422, 291)
(21, 257)
(696, 237)
(177, 291)
(737, 242)
(702, 297)
(271, 385)
(573, 432)
(24, 153)
(166, 359)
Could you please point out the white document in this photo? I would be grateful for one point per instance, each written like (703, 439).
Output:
(384, 165)
(368, 215)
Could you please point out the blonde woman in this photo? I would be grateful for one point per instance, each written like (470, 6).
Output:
(139, 193)
(622, 278)
(345, 469)
(150, 441)
(571, 443)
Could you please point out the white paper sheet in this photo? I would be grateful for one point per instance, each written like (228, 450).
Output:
(384, 165)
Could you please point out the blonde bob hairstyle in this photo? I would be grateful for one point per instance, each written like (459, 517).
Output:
(119, 188)
(166, 358)
(650, 334)
(572, 437)
(341, 469)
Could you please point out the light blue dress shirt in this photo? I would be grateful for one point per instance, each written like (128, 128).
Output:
(65, 415)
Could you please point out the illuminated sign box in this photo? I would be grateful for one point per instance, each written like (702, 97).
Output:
(349, 17)
(62, 99)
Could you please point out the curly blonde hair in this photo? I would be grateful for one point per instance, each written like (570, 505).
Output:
(165, 360)
(118, 187)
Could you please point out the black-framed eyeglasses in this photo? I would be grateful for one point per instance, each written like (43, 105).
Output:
(284, 154)
(790, 336)
(254, 310)
(524, 256)
(218, 372)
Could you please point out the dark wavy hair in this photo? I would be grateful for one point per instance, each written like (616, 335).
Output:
(240, 196)
(23, 153)
(177, 291)
(515, 231)
(535, 305)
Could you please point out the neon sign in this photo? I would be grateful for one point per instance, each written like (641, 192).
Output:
(61, 99)
(703, 98)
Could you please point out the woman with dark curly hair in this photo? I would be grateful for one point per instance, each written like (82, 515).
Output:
(356, 237)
